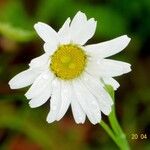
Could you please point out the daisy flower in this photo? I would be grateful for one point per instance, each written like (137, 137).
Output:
(72, 73)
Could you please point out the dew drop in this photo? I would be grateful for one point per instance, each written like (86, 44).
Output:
(93, 103)
(40, 77)
(85, 79)
(54, 83)
(98, 114)
(45, 76)
(65, 91)
(80, 118)
(99, 62)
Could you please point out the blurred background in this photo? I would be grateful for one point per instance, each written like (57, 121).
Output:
(23, 128)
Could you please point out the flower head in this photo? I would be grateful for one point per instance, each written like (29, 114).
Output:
(72, 73)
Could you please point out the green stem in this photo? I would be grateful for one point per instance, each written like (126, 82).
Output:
(112, 117)
(116, 133)
(109, 131)
(117, 130)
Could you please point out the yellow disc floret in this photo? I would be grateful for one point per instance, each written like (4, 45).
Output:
(68, 61)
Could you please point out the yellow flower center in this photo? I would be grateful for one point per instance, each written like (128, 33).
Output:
(68, 62)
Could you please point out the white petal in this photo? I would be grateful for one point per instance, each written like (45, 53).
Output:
(23, 79)
(105, 108)
(87, 32)
(77, 25)
(46, 32)
(96, 88)
(88, 102)
(39, 84)
(108, 68)
(112, 82)
(66, 97)
(49, 48)
(42, 97)
(79, 19)
(64, 32)
(55, 101)
(39, 61)
(78, 113)
(104, 104)
(108, 48)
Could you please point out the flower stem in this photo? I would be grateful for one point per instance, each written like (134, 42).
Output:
(115, 132)
(109, 131)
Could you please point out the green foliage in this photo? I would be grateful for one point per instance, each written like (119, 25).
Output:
(14, 13)
(16, 33)
(15, 24)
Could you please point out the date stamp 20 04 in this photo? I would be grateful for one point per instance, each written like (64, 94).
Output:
(142, 136)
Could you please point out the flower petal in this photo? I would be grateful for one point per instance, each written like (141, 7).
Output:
(42, 97)
(66, 97)
(88, 102)
(40, 61)
(55, 101)
(23, 79)
(87, 32)
(102, 97)
(108, 48)
(46, 32)
(78, 113)
(112, 82)
(108, 68)
(77, 25)
(39, 84)
(96, 88)
(49, 48)
(64, 32)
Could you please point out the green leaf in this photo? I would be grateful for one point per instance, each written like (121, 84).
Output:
(15, 14)
(16, 33)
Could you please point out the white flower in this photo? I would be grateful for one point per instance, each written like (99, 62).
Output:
(72, 73)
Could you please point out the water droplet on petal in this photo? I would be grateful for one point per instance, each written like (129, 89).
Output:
(54, 83)
(65, 91)
(98, 114)
(85, 79)
(99, 62)
(93, 103)
(40, 77)
(80, 118)
(45, 76)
